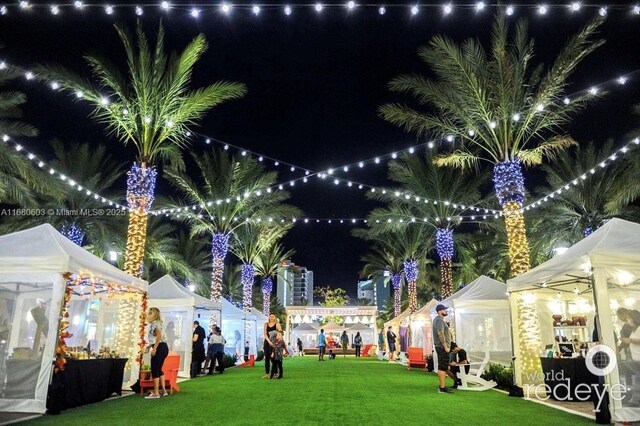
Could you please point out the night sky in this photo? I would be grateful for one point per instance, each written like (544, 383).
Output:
(314, 82)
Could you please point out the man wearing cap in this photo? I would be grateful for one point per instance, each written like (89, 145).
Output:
(442, 342)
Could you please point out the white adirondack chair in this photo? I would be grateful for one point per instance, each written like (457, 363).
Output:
(473, 381)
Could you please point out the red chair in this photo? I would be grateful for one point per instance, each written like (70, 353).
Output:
(250, 363)
(365, 351)
(416, 358)
(170, 369)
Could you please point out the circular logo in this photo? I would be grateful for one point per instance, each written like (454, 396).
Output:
(601, 360)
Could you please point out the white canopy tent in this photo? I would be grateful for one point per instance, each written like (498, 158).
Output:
(179, 308)
(593, 279)
(306, 332)
(366, 332)
(481, 319)
(419, 323)
(233, 329)
(37, 266)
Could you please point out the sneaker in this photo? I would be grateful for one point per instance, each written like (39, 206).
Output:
(266, 376)
(164, 393)
(444, 390)
(152, 396)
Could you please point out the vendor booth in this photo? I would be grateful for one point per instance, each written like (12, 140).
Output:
(233, 324)
(306, 332)
(332, 332)
(366, 332)
(59, 302)
(414, 330)
(554, 307)
(481, 319)
(180, 308)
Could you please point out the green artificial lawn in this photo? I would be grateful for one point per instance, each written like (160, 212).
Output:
(346, 391)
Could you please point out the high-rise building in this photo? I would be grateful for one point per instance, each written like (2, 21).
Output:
(378, 291)
(295, 285)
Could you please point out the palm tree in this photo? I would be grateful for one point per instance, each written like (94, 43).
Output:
(150, 106)
(433, 187)
(20, 183)
(411, 239)
(385, 258)
(496, 107)
(587, 203)
(267, 264)
(231, 192)
(249, 241)
(77, 213)
(232, 283)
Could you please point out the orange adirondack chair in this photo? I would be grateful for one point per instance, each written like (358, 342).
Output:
(416, 358)
(170, 369)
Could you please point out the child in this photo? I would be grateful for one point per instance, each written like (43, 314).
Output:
(331, 354)
(279, 348)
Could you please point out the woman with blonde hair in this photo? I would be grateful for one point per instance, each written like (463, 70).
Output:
(159, 351)
(271, 326)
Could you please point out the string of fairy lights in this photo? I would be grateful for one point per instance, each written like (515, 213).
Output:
(199, 10)
(38, 163)
(619, 153)
(329, 174)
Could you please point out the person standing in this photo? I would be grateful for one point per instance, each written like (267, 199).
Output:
(197, 349)
(357, 343)
(300, 351)
(322, 345)
(159, 351)
(344, 341)
(391, 343)
(272, 324)
(216, 351)
(277, 354)
(381, 341)
(442, 342)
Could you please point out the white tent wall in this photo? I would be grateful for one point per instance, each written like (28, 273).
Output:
(25, 380)
(178, 325)
(603, 268)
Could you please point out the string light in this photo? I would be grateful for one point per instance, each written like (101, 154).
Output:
(247, 274)
(508, 183)
(267, 287)
(529, 340)
(219, 249)
(444, 248)
(73, 232)
(396, 281)
(382, 10)
(414, 10)
(573, 182)
(287, 10)
(40, 164)
(141, 183)
(411, 274)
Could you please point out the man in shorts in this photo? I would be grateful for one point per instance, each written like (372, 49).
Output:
(322, 345)
(442, 342)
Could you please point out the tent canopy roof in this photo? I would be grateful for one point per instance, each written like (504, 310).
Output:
(332, 326)
(43, 249)
(167, 291)
(615, 246)
(360, 327)
(482, 288)
(305, 327)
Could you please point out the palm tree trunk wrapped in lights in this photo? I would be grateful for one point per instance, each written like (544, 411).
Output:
(267, 286)
(509, 186)
(247, 274)
(141, 184)
(396, 282)
(73, 232)
(219, 249)
(411, 273)
(444, 247)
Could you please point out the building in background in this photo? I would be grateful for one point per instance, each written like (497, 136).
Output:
(295, 285)
(378, 291)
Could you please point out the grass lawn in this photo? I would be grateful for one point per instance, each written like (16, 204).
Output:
(335, 392)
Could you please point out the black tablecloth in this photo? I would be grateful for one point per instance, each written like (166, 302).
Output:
(569, 372)
(84, 382)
